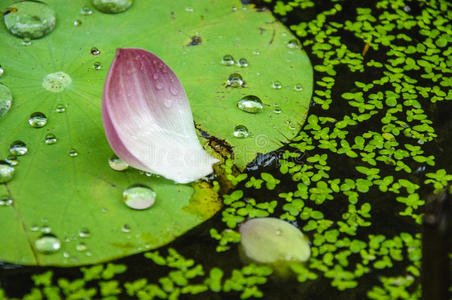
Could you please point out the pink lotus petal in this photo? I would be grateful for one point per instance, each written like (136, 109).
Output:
(148, 120)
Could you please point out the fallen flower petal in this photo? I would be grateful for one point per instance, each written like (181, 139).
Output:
(148, 120)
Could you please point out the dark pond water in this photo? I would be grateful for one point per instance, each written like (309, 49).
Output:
(198, 244)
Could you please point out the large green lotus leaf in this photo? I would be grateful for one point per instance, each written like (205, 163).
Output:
(51, 188)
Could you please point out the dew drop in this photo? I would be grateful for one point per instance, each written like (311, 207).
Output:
(1, 71)
(112, 6)
(277, 85)
(34, 227)
(95, 51)
(46, 229)
(73, 153)
(235, 80)
(37, 120)
(12, 160)
(77, 23)
(298, 87)
(48, 244)
(81, 247)
(97, 66)
(293, 44)
(18, 148)
(50, 139)
(84, 233)
(86, 11)
(241, 132)
(5, 201)
(30, 19)
(228, 60)
(26, 41)
(189, 9)
(256, 52)
(242, 63)
(125, 228)
(276, 109)
(117, 164)
(6, 100)
(251, 104)
(139, 197)
(60, 108)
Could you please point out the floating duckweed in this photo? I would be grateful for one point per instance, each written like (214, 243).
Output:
(18, 148)
(243, 63)
(56, 82)
(117, 164)
(95, 51)
(73, 153)
(277, 85)
(139, 197)
(50, 139)
(6, 172)
(48, 244)
(228, 60)
(298, 87)
(293, 44)
(37, 120)
(112, 6)
(97, 66)
(251, 104)
(235, 80)
(241, 132)
(6, 100)
(30, 19)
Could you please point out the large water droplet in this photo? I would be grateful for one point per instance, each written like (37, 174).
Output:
(95, 51)
(5, 200)
(243, 63)
(6, 100)
(73, 153)
(235, 80)
(112, 6)
(30, 19)
(293, 44)
(48, 244)
(117, 164)
(251, 104)
(18, 148)
(50, 139)
(56, 82)
(37, 120)
(6, 172)
(241, 132)
(139, 197)
(228, 60)
(277, 85)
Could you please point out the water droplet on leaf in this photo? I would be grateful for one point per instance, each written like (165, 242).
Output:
(251, 104)
(293, 44)
(12, 160)
(112, 6)
(97, 66)
(81, 247)
(139, 197)
(86, 11)
(243, 63)
(241, 132)
(60, 108)
(77, 23)
(48, 244)
(50, 139)
(6, 100)
(125, 228)
(277, 85)
(95, 51)
(84, 233)
(117, 164)
(73, 153)
(37, 120)
(5, 201)
(298, 87)
(30, 19)
(228, 60)
(56, 82)
(235, 80)
(18, 148)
